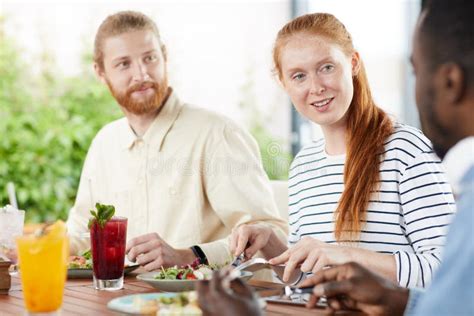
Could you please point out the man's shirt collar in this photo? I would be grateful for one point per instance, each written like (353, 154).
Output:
(158, 129)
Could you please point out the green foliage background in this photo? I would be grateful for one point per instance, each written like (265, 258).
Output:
(46, 126)
(47, 123)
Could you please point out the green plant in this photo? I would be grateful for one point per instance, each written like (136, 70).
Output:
(276, 160)
(46, 125)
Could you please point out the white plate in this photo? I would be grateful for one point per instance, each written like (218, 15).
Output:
(177, 285)
(87, 273)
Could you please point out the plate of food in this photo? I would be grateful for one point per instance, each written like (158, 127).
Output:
(80, 267)
(180, 279)
(160, 304)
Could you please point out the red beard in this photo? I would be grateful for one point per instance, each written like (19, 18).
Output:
(152, 103)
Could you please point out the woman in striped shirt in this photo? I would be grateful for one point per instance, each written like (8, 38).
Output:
(372, 191)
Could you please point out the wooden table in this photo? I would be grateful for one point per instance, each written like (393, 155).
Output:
(81, 298)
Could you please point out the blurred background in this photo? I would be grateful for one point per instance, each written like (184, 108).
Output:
(51, 105)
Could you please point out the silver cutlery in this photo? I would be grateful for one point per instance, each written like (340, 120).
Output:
(297, 294)
(238, 260)
(256, 264)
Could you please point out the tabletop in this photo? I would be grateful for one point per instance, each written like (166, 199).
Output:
(80, 297)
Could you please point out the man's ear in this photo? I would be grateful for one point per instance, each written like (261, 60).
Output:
(164, 52)
(355, 62)
(450, 82)
(100, 73)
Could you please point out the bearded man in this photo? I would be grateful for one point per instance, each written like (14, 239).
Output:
(183, 176)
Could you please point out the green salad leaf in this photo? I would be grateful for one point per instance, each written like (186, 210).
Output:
(188, 272)
(180, 300)
(87, 254)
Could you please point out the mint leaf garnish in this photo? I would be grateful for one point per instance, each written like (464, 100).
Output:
(102, 216)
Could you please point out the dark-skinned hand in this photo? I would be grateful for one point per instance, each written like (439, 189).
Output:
(351, 286)
(217, 298)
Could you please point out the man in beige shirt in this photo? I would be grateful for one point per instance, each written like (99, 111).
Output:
(183, 176)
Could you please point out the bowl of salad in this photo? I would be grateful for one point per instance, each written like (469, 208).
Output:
(181, 279)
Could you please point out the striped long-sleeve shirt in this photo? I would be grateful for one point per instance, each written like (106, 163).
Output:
(407, 216)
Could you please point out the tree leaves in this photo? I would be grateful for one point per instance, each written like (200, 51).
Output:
(46, 127)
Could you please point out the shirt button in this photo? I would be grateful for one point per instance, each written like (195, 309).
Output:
(173, 191)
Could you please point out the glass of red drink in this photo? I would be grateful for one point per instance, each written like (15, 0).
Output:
(108, 253)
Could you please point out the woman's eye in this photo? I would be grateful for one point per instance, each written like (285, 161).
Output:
(298, 77)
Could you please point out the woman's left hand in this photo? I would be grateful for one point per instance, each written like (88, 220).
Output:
(313, 255)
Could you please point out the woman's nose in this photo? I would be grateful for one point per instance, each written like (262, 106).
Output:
(317, 87)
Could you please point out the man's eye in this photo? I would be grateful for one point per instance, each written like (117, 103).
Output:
(150, 58)
(123, 64)
(327, 68)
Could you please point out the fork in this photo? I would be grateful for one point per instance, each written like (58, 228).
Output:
(293, 292)
(238, 260)
(290, 290)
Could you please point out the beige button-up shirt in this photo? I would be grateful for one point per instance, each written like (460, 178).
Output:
(192, 178)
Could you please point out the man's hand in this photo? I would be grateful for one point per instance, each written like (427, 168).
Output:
(216, 298)
(152, 252)
(312, 255)
(351, 286)
(249, 238)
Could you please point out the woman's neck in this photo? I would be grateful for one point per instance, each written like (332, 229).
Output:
(335, 139)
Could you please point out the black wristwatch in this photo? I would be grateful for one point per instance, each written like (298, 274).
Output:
(199, 254)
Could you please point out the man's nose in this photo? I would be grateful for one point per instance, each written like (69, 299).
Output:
(140, 72)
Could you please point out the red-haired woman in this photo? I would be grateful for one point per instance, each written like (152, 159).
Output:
(372, 191)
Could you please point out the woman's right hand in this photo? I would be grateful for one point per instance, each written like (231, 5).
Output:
(249, 239)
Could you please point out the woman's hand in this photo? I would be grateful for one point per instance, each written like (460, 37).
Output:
(250, 238)
(312, 255)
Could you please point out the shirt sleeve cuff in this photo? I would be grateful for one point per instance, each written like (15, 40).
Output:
(217, 252)
(407, 269)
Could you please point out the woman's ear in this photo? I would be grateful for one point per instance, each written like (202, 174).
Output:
(355, 63)
(279, 80)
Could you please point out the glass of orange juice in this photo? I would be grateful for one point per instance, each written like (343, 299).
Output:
(43, 268)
